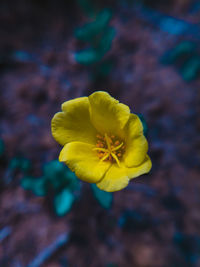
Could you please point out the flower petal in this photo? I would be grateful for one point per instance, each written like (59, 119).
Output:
(81, 159)
(73, 124)
(145, 167)
(107, 114)
(115, 179)
(136, 143)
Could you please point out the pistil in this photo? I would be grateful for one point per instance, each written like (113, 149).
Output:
(109, 148)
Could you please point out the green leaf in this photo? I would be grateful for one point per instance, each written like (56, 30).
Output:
(54, 172)
(87, 57)
(111, 265)
(183, 51)
(20, 163)
(72, 182)
(63, 202)
(14, 164)
(87, 6)
(25, 165)
(2, 147)
(36, 185)
(144, 124)
(104, 198)
(59, 176)
(89, 31)
(53, 169)
(191, 69)
(106, 40)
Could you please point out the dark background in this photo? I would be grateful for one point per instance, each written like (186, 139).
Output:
(155, 221)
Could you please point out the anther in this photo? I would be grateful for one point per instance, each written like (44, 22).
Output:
(117, 142)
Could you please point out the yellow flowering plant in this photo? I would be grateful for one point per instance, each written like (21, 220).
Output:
(103, 142)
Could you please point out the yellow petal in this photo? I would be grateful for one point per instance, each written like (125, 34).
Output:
(136, 143)
(107, 114)
(73, 124)
(143, 168)
(81, 159)
(115, 179)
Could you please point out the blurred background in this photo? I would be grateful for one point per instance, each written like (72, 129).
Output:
(146, 54)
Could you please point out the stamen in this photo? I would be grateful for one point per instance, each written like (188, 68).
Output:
(118, 147)
(101, 154)
(100, 149)
(105, 157)
(117, 142)
(108, 148)
(116, 159)
(107, 141)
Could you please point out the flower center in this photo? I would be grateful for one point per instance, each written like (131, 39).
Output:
(109, 148)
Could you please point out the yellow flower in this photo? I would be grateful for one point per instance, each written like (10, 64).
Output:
(103, 142)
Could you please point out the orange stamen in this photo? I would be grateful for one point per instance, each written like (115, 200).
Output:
(117, 142)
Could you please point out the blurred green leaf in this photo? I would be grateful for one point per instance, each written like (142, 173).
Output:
(173, 26)
(89, 31)
(54, 172)
(14, 164)
(53, 169)
(63, 202)
(36, 185)
(104, 198)
(72, 181)
(87, 57)
(183, 51)
(191, 69)
(111, 265)
(106, 40)
(58, 176)
(19, 163)
(144, 124)
(101, 70)
(25, 165)
(2, 147)
(88, 7)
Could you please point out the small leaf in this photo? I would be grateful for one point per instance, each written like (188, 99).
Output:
(59, 176)
(25, 165)
(104, 198)
(144, 124)
(174, 26)
(87, 7)
(36, 185)
(89, 31)
(191, 69)
(102, 69)
(2, 147)
(106, 40)
(53, 168)
(72, 183)
(181, 52)
(14, 164)
(87, 57)
(63, 202)
(20, 163)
